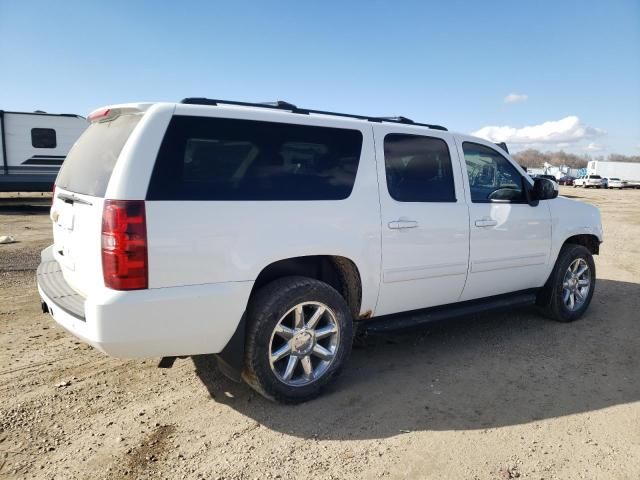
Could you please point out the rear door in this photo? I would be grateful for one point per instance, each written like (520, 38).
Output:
(76, 211)
(425, 220)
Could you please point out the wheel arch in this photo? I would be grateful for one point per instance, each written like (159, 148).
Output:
(340, 272)
(587, 240)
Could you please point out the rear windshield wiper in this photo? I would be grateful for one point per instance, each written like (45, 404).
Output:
(68, 198)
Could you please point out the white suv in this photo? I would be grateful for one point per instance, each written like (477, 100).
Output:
(587, 181)
(266, 233)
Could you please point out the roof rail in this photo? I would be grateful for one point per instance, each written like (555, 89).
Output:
(281, 105)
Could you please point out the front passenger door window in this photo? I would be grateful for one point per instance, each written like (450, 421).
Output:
(492, 178)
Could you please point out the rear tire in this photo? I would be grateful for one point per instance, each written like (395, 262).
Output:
(289, 358)
(568, 292)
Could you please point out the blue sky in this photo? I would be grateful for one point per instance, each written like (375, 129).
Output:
(452, 63)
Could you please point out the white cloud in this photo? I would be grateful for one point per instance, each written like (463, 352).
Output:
(516, 97)
(594, 147)
(567, 130)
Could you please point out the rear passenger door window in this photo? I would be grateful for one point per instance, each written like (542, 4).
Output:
(229, 159)
(418, 169)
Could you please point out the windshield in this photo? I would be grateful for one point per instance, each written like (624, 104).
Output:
(595, 176)
(88, 166)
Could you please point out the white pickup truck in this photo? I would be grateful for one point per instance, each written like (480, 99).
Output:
(267, 233)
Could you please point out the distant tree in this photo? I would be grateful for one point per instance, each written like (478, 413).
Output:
(616, 157)
(532, 158)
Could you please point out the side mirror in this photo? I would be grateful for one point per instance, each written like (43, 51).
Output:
(544, 189)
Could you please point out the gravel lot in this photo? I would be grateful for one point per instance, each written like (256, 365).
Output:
(498, 396)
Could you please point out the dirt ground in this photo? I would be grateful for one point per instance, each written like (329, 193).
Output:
(498, 396)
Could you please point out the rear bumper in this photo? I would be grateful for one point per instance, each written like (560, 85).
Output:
(174, 321)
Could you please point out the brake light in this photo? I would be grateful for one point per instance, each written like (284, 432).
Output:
(124, 245)
(101, 114)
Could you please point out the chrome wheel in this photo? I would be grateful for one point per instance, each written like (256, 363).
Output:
(576, 284)
(304, 344)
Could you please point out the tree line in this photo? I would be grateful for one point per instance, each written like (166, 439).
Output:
(531, 158)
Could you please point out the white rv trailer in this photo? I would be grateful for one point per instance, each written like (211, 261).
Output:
(33, 146)
(628, 171)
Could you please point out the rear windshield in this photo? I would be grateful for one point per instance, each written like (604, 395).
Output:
(595, 176)
(90, 161)
(227, 159)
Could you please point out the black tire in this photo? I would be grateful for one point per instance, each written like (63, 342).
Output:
(265, 310)
(550, 297)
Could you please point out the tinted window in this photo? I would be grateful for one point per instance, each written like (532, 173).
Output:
(90, 161)
(418, 169)
(491, 176)
(227, 159)
(43, 138)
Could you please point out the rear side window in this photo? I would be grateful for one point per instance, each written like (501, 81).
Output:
(43, 138)
(228, 159)
(90, 161)
(418, 169)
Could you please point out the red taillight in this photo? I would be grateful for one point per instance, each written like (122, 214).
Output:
(124, 245)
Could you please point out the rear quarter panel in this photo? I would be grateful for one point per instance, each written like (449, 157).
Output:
(200, 242)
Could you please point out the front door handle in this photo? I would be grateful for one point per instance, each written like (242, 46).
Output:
(402, 224)
(486, 222)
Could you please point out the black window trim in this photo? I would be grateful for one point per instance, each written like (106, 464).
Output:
(523, 181)
(55, 137)
(453, 174)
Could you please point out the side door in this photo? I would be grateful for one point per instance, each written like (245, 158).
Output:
(510, 240)
(425, 220)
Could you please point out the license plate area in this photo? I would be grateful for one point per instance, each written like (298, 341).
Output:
(64, 222)
(64, 218)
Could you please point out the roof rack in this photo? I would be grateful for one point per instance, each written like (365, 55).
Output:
(281, 105)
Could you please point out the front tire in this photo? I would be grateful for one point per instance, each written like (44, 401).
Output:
(568, 292)
(299, 337)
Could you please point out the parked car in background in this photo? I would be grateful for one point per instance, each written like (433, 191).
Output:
(629, 171)
(565, 180)
(615, 182)
(587, 181)
(267, 233)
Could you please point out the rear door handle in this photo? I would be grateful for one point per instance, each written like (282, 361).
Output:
(402, 224)
(486, 222)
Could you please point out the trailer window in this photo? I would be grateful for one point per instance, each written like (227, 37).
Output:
(88, 166)
(43, 138)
